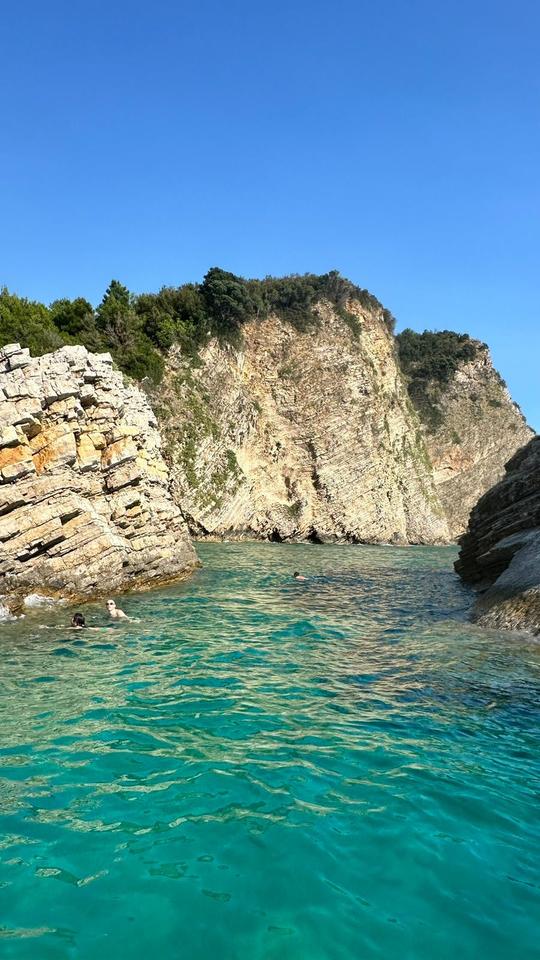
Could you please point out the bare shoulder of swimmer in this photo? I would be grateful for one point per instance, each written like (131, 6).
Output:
(115, 611)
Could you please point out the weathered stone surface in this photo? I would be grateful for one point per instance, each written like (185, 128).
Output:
(54, 447)
(117, 452)
(60, 502)
(500, 553)
(480, 429)
(300, 435)
(9, 437)
(89, 458)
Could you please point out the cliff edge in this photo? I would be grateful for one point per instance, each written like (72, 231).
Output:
(500, 553)
(300, 434)
(288, 408)
(85, 507)
(471, 424)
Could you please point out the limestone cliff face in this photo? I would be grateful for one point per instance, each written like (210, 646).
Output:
(300, 435)
(85, 507)
(478, 429)
(500, 553)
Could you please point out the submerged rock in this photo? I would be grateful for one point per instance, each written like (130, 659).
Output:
(500, 553)
(85, 507)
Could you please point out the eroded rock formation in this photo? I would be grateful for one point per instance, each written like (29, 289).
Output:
(500, 553)
(479, 429)
(471, 425)
(300, 435)
(85, 507)
(288, 432)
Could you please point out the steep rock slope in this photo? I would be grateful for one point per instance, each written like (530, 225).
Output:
(300, 435)
(85, 507)
(472, 427)
(246, 430)
(500, 553)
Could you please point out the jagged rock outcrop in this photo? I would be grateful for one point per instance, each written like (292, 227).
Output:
(289, 409)
(299, 427)
(85, 507)
(480, 428)
(471, 425)
(300, 435)
(500, 553)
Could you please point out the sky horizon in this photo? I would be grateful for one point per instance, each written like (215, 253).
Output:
(399, 145)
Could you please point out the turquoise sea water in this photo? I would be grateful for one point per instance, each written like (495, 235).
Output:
(262, 768)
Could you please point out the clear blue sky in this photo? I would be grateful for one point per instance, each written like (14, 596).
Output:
(397, 142)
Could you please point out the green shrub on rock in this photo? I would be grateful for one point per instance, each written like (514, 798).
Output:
(429, 360)
(138, 330)
(28, 323)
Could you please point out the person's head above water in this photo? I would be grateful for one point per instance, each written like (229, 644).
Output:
(298, 576)
(115, 611)
(78, 620)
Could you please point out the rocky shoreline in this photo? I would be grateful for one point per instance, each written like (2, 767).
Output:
(500, 553)
(296, 436)
(85, 505)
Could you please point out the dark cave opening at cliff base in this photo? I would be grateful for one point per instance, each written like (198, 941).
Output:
(311, 537)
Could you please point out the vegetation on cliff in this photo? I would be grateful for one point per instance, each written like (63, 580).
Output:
(138, 329)
(429, 360)
(28, 323)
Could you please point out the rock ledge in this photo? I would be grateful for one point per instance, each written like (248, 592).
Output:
(85, 507)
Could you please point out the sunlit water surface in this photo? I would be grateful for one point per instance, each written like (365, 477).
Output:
(260, 768)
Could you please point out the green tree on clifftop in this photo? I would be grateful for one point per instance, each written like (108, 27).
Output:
(122, 330)
(76, 321)
(28, 323)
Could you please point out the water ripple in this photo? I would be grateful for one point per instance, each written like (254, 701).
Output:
(259, 767)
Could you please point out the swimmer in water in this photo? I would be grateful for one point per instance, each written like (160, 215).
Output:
(115, 611)
(298, 576)
(78, 621)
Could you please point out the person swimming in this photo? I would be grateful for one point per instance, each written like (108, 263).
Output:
(298, 576)
(115, 611)
(78, 621)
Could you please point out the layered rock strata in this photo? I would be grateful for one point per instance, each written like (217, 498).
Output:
(300, 435)
(85, 507)
(479, 428)
(500, 553)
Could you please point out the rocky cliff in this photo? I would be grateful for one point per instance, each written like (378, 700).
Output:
(85, 507)
(471, 425)
(288, 409)
(500, 553)
(300, 435)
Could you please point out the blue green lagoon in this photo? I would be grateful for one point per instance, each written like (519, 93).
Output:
(338, 769)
